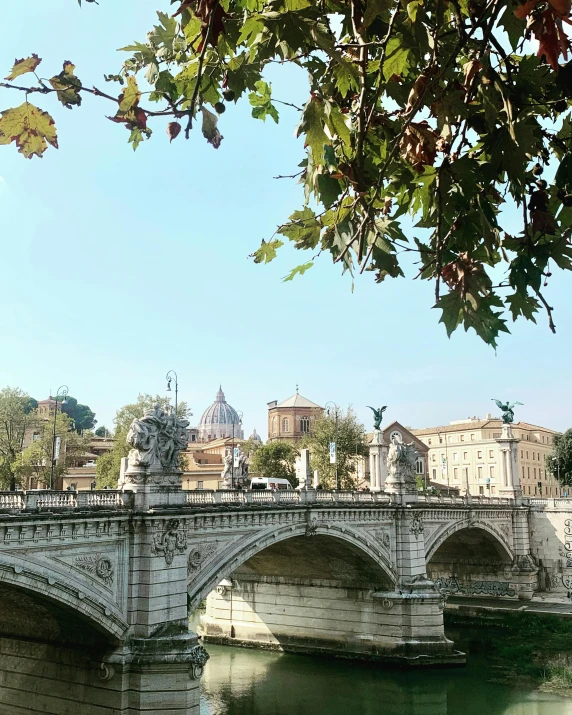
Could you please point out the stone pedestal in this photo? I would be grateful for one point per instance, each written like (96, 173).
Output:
(303, 470)
(152, 487)
(377, 462)
(509, 477)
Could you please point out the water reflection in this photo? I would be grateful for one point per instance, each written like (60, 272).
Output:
(247, 682)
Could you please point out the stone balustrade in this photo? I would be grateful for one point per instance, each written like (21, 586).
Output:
(49, 500)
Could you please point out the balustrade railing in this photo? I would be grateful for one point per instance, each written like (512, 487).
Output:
(12, 500)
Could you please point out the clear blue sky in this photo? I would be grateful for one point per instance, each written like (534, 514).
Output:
(118, 266)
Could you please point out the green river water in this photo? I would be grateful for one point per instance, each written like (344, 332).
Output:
(241, 681)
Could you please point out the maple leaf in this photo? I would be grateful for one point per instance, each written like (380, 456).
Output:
(30, 128)
(419, 145)
(546, 26)
(210, 130)
(22, 66)
(67, 86)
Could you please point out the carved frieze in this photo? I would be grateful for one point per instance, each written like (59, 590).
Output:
(200, 553)
(97, 566)
(172, 540)
(416, 527)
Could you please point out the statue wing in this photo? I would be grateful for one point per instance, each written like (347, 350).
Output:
(517, 403)
(498, 403)
(383, 408)
(372, 409)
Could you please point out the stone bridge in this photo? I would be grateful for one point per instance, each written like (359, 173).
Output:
(96, 587)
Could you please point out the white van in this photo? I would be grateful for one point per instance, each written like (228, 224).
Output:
(265, 483)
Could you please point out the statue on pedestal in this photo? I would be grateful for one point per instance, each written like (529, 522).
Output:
(235, 477)
(377, 416)
(400, 467)
(506, 408)
(156, 439)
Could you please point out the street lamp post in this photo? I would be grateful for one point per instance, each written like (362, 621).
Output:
(336, 410)
(169, 379)
(240, 416)
(63, 392)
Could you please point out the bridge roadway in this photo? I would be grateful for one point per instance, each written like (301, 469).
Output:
(95, 586)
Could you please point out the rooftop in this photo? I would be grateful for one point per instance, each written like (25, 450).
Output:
(475, 424)
(297, 400)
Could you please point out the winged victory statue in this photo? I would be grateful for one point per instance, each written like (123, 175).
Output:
(377, 415)
(507, 410)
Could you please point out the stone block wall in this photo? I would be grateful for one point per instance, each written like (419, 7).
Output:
(319, 616)
(551, 545)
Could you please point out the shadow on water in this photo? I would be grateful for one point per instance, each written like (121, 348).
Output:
(248, 682)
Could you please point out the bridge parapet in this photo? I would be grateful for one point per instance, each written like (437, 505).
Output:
(15, 502)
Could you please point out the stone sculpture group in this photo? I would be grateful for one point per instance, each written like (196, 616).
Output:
(156, 440)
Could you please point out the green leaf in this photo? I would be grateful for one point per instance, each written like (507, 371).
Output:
(130, 96)
(372, 10)
(397, 58)
(522, 304)
(346, 77)
(412, 9)
(293, 5)
(299, 270)
(261, 101)
(68, 86)
(328, 189)
(563, 175)
(23, 66)
(312, 125)
(513, 26)
(452, 307)
(267, 251)
(303, 229)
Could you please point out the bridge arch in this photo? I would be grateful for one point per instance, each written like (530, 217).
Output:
(61, 596)
(495, 536)
(241, 551)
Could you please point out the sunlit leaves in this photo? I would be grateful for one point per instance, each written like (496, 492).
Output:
(29, 128)
(298, 271)
(312, 126)
(23, 66)
(267, 251)
(261, 101)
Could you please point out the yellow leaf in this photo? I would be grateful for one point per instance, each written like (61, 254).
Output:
(24, 65)
(31, 129)
(130, 96)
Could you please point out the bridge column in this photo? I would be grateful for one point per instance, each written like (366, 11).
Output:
(416, 598)
(160, 662)
(377, 462)
(510, 482)
(525, 570)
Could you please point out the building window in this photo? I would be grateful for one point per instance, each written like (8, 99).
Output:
(429, 440)
(435, 475)
(455, 456)
(199, 485)
(521, 454)
(535, 472)
(434, 458)
(480, 472)
(479, 454)
(304, 425)
(274, 424)
(493, 489)
(481, 490)
(419, 469)
(528, 470)
(440, 440)
(450, 438)
(472, 438)
(465, 456)
(35, 436)
(491, 472)
(466, 475)
(455, 473)
(193, 438)
(491, 453)
(285, 424)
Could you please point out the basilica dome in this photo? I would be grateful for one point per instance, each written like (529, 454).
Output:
(217, 420)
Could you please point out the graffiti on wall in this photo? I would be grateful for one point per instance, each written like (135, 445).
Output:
(455, 587)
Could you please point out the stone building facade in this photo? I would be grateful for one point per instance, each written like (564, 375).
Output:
(467, 454)
(292, 419)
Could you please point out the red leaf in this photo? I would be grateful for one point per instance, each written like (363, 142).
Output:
(173, 130)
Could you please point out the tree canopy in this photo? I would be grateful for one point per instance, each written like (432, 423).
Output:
(82, 416)
(108, 465)
(274, 459)
(17, 420)
(433, 129)
(559, 462)
(349, 435)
